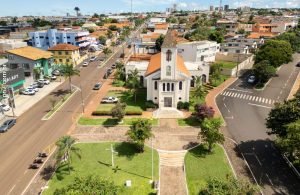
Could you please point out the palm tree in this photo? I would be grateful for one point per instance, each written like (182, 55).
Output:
(210, 132)
(66, 148)
(106, 51)
(68, 71)
(113, 44)
(199, 89)
(133, 82)
(139, 132)
(77, 10)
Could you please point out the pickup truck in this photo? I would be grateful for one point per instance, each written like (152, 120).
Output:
(109, 100)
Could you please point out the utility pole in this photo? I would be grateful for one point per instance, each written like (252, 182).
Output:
(237, 65)
(112, 155)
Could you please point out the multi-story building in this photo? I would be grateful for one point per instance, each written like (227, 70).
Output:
(230, 25)
(51, 37)
(8, 44)
(226, 7)
(198, 51)
(30, 58)
(66, 54)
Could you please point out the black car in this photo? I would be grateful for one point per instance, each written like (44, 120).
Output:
(38, 161)
(97, 86)
(42, 154)
(34, 166)
(7, 125)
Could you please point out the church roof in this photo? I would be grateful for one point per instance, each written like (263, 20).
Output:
(170, 40)
(155, 65)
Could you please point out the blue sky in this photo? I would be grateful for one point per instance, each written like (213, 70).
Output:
(61, 7)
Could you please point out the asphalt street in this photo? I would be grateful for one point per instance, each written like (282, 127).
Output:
(20, 145)
(245, 110)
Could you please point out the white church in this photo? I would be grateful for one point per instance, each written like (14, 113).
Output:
(167, 77)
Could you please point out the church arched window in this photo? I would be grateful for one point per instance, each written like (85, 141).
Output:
(169, 56)
(168, 70)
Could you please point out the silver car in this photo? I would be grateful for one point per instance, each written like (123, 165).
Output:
(7, 125)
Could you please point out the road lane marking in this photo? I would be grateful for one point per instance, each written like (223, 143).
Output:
(247, 97)
(11, 189)
(269, 179)
(259, 99)
(257, 159)
(270, 101)
(235, 95)
(229, 117)
(232, 89)
(260, 105)
(223, 98)
(256, 99)
(239, 95)
(263, 100)
(226, 93)
(244, 96)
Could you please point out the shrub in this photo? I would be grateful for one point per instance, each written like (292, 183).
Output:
(186, 105)
(150, 104)
(202, 111)
(101, 113)
(180, 105)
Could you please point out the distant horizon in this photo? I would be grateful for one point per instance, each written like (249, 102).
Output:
(89, 7)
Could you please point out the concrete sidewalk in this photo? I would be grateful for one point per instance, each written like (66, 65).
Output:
(25, 102)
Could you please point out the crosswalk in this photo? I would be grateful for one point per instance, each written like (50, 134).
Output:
(248, 97)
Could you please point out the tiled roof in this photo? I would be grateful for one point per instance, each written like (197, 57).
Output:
(257, 35)
(31, 53)
(63, 47)
(170, 40)
(155, 65)
(161, 26)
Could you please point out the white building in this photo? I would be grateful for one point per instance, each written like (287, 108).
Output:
(198, 51)
(8, 44)
(167, 76)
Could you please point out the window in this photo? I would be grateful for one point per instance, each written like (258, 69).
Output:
(10, 57)
(68, 60)
(41, 37)
(155, 85)
(180, 85)
(60, 60)
(164, 87)
(169, 55)
(237, 51)
(168, 71)
(47, 37)
(202, 58)
(155, 98)
(67, 53)
(26, 66)
(172, 87)
(68, 37)
(59, 53)
(168, 86)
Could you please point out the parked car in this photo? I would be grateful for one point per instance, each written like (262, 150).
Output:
(38, 160)
(85, 64)
(32, 88)
(34, 166)
(97, 86)
(93, 58)
(40, 84)
(53, 77)
(45, 81)
(27, 92)
(109, 100)
(4, 107)
(113, 66)
(109, 71)
(34, 85)
(42, 154)
(56, 73)
(251, 79)
(7, 125)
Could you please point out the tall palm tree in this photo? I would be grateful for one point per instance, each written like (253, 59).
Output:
(199, 89)
(37, 73)
(133, 82)
(77, 10)
(113, 44)
(68, 71)
(66, 148)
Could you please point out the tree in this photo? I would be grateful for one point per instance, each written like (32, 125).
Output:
(159, 41)
(91, 30)
(53, 103)
(199, 92)
(290, 143)
(3, 23)
(76, 9)
(109, 34)
(102, 40)
(118, 111)
(106, 51)
(210, 132)
(89, 185)
(263, 71)
(216, 36)
(37, 73)
(66, 148)
(277, 52)
(113, 28)
(241, 31)
(292, 38)
(68, 71)
(282, 115)
(139, 132)
(215, 71)
(133, 82)
(231, 186)
(199, 34)
(120, 72)
(203, 111)
(113, 44)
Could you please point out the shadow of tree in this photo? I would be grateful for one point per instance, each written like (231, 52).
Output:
(267, 164)
(201, 151)
(110, 122)
(60, 92)
(126, 149)
(63, 170)
(192, 121)
(47, 172)
(190, 145)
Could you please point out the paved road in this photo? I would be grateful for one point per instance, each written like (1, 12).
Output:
(30, 135)
(244, 111)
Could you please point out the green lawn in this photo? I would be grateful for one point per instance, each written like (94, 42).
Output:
(228, 65)
(110, 121)
(201, 166)
(191, 121)
(96, 160)
(128, 98)
(218, 82)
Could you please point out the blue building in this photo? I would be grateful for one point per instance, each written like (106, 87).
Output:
(52, 37)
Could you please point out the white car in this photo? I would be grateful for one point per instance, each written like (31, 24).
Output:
(92, 58)
(45, 81)
(85, 64)
(4, 107)
(33, 89)
(109, 100)
(28, 92)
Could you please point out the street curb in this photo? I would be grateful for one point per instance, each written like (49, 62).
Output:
(297, 82)
(228, 159)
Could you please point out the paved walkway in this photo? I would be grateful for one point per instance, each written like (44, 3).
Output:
(295, 87)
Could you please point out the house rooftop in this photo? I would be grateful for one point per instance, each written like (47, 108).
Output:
(63, 47)
(31, 53)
